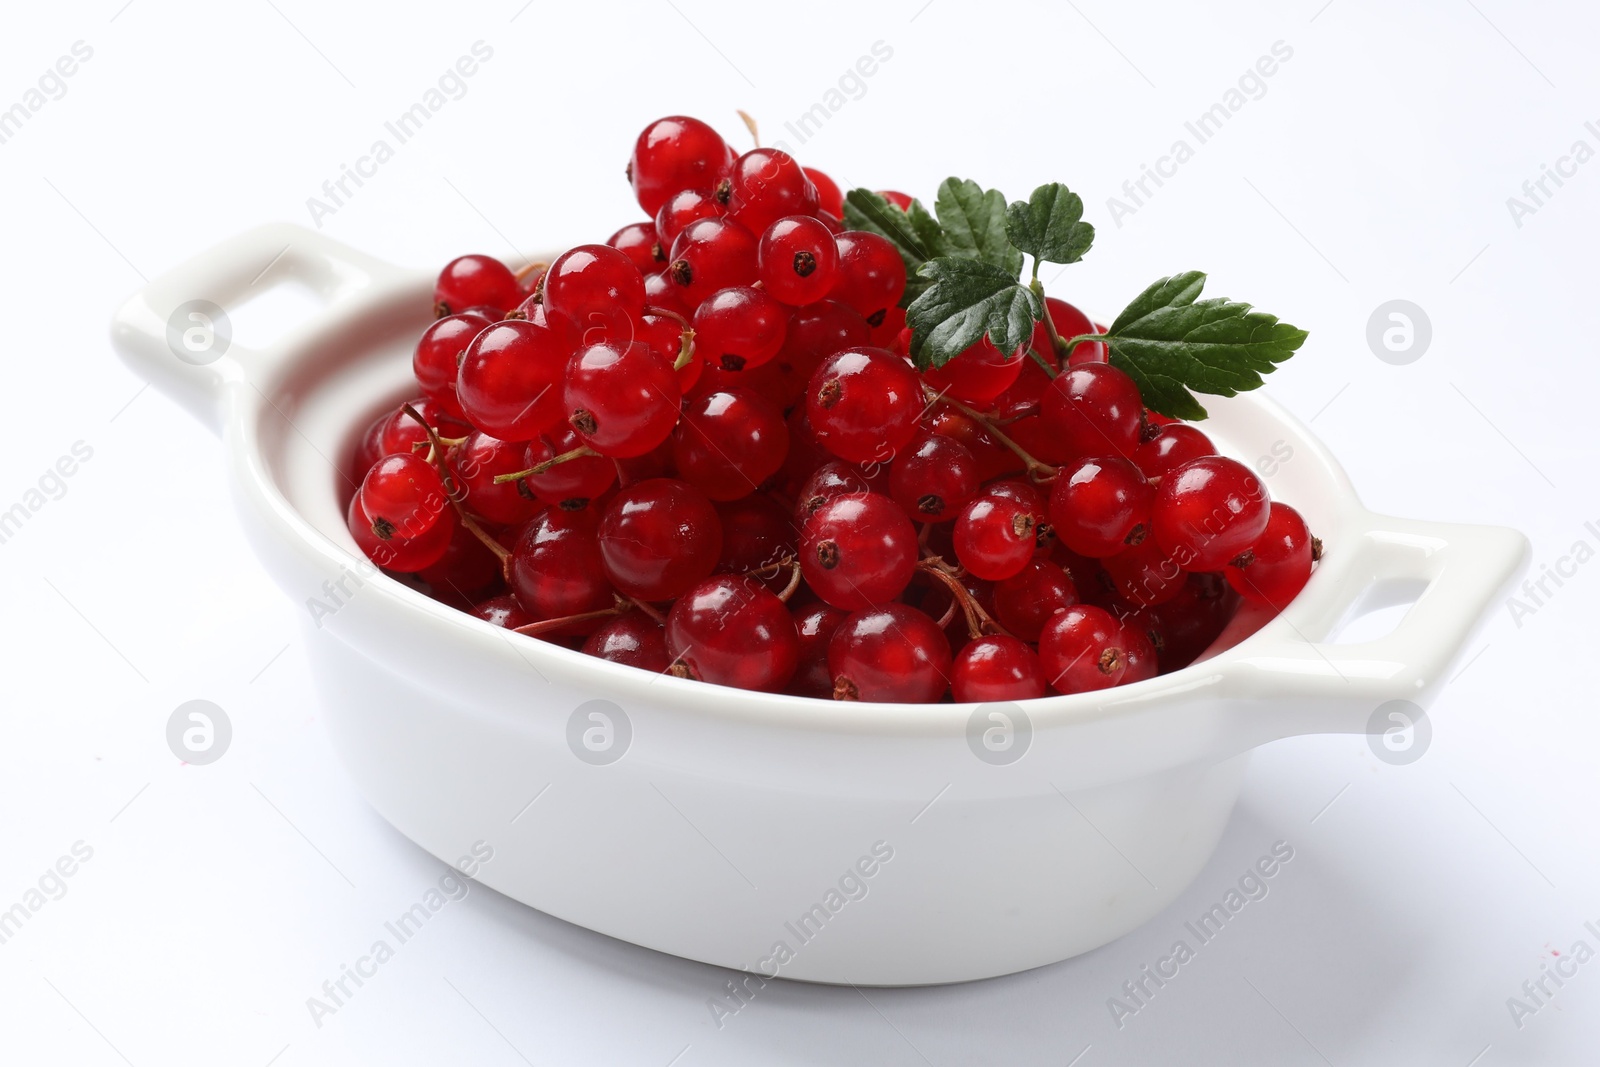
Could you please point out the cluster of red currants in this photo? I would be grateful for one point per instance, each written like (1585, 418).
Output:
(701, 448)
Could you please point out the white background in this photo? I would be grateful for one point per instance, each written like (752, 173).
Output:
(1376, 166)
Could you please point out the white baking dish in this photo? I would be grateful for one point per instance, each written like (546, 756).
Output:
(731, 816)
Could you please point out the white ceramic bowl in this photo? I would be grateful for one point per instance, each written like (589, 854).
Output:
(727, 823)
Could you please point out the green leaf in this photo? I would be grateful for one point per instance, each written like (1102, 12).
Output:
(915, 234)
(974, 222)
(964, 300)
(1049, 226)
(1170, 343)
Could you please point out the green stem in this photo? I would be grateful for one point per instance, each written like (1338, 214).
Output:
(541, 468)
(1049, 324)
(1049, 368)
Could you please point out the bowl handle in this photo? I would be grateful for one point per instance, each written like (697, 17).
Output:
(167, 335)
(1292, 681)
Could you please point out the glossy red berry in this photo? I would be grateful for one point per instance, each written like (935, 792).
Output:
(402, 496)
(1100, 506)
(897, 198)
(711, 254)
(872, 276)
(765, 185)
(997, 531)
(1024, 602)
(933, 478)
(728, 443)
(621, 398)
(473, 281)
(1208, 511)
(643, 246)
(400, 433)
(571, 484)
(658, 538)
(757, 532)
(476, 462)
(464, 572)
(893, 653)
(739, 328)
(814, 333)
(437, 360)
(1277, 564)
(682, 208)
(864, 404)
(676, 153)
(978, 375)
(1082, 649)
(1094, 410)
(1069, 323)
(555, 567)
(395, 553)
(634, 640)
(994, 669)
(858, 551)
(834, 477)
(1145, 574)
(1143, 660)
(798, 260)
(829, 197)
(510, 379)
(815, 624)
(731, 630)
(1171, 446)
(595, 288)
(503, 611)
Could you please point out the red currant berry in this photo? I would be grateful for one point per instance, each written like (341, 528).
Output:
(404, 555)
(1024, 602)
(555, 567)
(739, 328)
(798, 260)
(659, 538)
(897, 198)
(573, 483)
(1186, 625)
(1144, 574)
(471, 281)
(476, 462)
(833, 478)
(676, 153)
(1100, 506)
(731, 630)
(815, 332)
(815, 624)
(465, 571)
(437, 360)
(829, 197)
(634, 640)
(728, 443)
(1277, 564)
(1082, 649)
(1143, 660)
(622, 398)
(1208, 511)
(1069, 323)
(864, 404)
(402, 496)
(1094, 410)
(510, 380)
(711, 254)
(595, 286)
(994, 669)
(933, 478)
(1171, 446)
(765, 185)
(401, 434)
(757, 532)
(643, 246)
(682, 208)
(858, 551)
(978, 374)
(503, 611)
(661, 293)
(894, 653)
(871, 274)
(997, 531)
